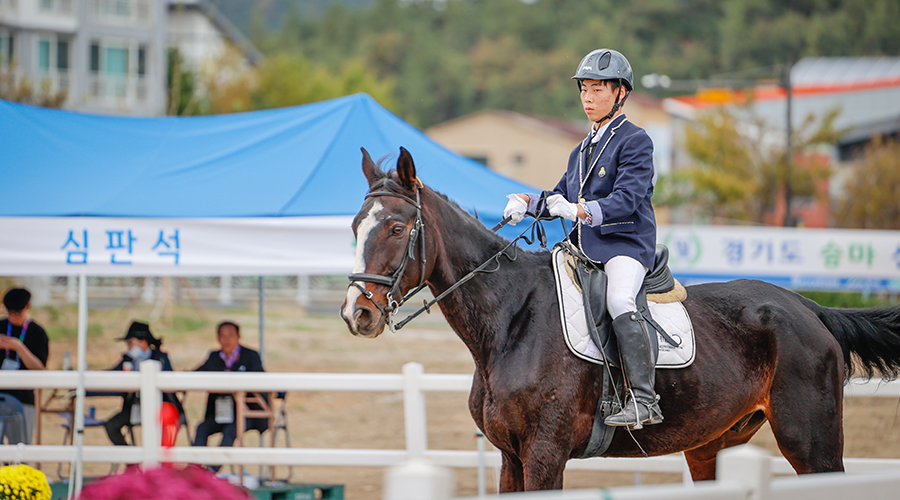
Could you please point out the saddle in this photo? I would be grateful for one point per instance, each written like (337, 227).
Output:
(590, 278)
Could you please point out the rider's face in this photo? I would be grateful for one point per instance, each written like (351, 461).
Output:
(598, 97)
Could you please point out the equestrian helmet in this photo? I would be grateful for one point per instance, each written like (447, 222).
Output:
(606, 64)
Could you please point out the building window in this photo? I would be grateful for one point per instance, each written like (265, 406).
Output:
(118, 69)
(58, 6)
(119, 11)
(53, 61)
(480, 159)
(6, 49)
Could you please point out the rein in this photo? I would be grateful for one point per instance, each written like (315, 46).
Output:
(418, 233)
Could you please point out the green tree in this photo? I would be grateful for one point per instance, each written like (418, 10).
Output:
(286, 80)
(181, 84)
(20, 89)
(869, 198)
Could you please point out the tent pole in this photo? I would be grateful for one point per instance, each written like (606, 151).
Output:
(262, 320)
(78, 423)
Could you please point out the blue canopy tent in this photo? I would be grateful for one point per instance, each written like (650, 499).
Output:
(270, 167)
(266, 192)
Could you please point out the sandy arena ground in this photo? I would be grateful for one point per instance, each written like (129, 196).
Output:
(301, 342)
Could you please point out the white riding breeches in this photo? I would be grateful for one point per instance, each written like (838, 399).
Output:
(625, 276)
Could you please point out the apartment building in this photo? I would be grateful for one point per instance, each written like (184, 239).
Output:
(111, 56)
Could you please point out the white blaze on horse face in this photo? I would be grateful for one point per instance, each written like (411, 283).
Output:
(362, 234)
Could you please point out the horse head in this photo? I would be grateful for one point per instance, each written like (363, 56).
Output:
(390, 247)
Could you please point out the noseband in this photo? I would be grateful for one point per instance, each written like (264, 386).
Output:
(416, 235)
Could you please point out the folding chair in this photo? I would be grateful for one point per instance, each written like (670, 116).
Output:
(12, 419)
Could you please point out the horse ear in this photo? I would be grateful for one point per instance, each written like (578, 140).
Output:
(406, 170)
(370, 169)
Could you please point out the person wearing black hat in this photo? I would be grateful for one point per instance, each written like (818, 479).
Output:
(142, 345)
(24, 346)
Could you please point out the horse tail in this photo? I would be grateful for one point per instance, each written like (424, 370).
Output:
(873, 334)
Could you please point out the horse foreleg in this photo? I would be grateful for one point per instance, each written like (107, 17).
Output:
(512, 478)
(544, 465)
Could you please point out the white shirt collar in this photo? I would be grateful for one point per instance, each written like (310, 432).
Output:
(595, 137)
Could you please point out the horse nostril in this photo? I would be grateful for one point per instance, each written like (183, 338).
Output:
(362, 316)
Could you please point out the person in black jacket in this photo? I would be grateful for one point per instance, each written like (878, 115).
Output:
(23, 346)
(142, 345)
(220, 407)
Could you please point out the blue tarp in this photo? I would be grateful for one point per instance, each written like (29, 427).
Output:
(296, 161)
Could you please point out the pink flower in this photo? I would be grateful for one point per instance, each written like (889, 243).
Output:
(164, 483)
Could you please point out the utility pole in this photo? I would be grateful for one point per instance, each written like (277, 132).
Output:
(788, 156)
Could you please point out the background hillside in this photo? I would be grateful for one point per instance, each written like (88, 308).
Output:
(443, 59)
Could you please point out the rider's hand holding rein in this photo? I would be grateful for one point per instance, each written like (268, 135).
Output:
(515, 208)
(561, 207)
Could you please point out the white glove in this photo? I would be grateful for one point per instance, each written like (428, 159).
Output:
(561, 207)
(515, 209)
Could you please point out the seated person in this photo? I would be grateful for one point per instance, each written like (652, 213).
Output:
(24, 346)
(142, 345)
(220, 407)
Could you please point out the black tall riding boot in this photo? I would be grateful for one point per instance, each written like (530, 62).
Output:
(639, 349)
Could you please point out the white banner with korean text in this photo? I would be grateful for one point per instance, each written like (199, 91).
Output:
(113, 246)
(796, 258)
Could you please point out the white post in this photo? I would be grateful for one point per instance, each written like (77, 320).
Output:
(748, 466)
(71, 289)
(417, 479)
(303, 294)
(414, 411)
(78, 423)
(148, 293)
(686, 478)
(151, 400)
(225, 297)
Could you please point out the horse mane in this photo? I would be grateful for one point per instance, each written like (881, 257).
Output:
(390, 182)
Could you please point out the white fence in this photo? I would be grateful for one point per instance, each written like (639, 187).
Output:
(412, 383)
(743, 473)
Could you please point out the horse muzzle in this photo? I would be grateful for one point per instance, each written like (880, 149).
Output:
(362, 320)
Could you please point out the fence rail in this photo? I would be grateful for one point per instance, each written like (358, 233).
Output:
(412, 383)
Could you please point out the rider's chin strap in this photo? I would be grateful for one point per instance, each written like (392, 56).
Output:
(616, 105)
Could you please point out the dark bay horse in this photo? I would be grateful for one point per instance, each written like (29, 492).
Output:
(763, 352)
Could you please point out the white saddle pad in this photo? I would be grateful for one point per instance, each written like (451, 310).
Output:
(673, 317)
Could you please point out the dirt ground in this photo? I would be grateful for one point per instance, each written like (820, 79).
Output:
(297, 341)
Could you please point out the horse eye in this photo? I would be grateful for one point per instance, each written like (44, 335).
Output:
(397, 230)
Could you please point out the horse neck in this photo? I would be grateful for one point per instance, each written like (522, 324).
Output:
(477, 311)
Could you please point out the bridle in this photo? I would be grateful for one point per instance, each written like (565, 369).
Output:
(394, 296)
(418, 233)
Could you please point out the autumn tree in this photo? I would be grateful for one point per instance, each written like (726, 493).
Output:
(870, 194)
(738, 174)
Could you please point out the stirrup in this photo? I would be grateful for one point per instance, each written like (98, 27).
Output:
(654, 414)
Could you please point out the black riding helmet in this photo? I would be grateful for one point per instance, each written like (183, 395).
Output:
(606, 64)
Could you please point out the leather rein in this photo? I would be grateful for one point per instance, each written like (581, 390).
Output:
(418, 234)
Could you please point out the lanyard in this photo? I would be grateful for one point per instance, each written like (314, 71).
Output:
(9, 326)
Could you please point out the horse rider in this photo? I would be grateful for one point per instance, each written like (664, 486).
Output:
(607, 188)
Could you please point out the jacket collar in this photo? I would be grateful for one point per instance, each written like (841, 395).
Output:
(609, 129)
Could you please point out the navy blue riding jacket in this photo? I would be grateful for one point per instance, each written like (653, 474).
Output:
(616, 184)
